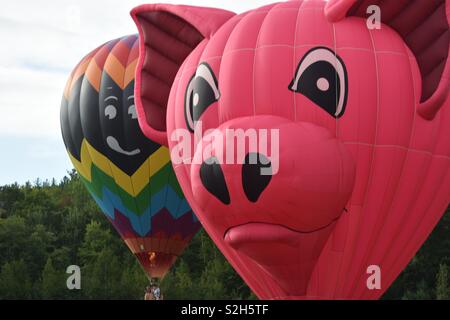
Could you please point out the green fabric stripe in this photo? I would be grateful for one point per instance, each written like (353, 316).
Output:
(159, 180)
(174, 183)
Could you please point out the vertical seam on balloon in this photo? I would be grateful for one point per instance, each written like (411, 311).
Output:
(253, 78)
(409, 144)
(254, 60)
(104, 195)
(138, 216)
(150, 202)
(364, 204)
(407, 149)
(220, 115)
(146, 190)
(257, 48)
(180, 201)
(417, 191)
(237, 266)
(164, 245)
(364, 207)
(380, 222)
(139, 213)
(336, 129)
(425, 214)
(413, 129)
(217, 74)
(148, 194)
(336, 78)
(167, 189)
(336, 119)
(109, 152)
(411, 204)
(254, 68)
(294, 65)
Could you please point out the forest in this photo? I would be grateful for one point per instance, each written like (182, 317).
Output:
(45, 226)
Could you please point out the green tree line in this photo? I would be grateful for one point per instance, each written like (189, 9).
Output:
(47, 226)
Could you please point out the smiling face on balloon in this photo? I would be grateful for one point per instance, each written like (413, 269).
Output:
(112, 127)
(110, 123)
(118, 104)
(347, 105)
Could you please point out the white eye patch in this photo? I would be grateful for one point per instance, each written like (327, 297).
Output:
(132, 111)
(205, 72)
(110, 112)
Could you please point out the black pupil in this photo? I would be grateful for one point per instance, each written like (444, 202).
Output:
(308, 85)
(203, 94)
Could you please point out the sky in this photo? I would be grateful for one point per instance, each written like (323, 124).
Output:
(41, 42)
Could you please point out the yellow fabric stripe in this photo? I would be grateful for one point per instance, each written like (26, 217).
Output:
(132, 185)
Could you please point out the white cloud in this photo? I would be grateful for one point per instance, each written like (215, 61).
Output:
(43, 40)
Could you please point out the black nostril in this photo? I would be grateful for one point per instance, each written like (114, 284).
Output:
(212, 177)
(256, 175)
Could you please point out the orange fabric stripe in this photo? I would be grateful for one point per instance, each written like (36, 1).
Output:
(129, 73)
(115, 70)
(78, 72)
(94, 75)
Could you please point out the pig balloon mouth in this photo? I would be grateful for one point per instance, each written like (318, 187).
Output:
(239, 236)
(114, 144)
(279, 250)
(259, 233)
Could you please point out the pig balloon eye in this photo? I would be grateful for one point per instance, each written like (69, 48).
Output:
(202, 91)
(321, 77)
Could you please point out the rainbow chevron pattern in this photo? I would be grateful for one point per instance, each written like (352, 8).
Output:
(147, 207)
(157, 220)
(161, 193)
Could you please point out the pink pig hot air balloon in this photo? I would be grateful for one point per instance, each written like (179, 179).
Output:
(355, 170)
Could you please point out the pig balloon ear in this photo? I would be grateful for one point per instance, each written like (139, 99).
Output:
(424, 26)
(167, 35)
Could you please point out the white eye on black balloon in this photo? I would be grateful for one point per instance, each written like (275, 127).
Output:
(110, 109)
(132, 112)
(132, 109)
(110, 112)
(321, 77)
(201, 92)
